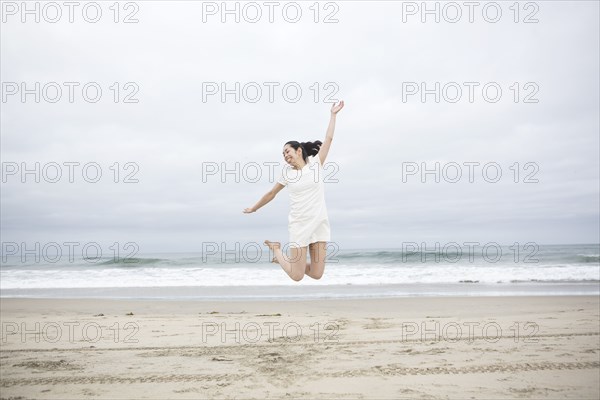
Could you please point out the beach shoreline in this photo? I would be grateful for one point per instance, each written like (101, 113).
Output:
(312, 290)
(402, 347)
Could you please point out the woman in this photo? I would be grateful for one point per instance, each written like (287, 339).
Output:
(308, 221)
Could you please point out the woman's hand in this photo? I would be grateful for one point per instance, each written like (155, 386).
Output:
(248, 210)
(336, 108)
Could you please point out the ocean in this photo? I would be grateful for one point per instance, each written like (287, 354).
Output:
(351, 273)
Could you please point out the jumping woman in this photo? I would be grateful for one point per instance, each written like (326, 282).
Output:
(308, 223)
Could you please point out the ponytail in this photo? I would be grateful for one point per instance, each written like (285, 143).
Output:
(308, 148)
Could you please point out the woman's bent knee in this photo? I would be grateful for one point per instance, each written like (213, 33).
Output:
(297, 277)
(317, 275)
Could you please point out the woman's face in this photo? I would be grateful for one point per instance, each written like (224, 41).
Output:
(289, 154)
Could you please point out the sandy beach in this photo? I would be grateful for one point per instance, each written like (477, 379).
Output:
(429, 347)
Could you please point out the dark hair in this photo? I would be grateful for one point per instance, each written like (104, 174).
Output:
(308, 148)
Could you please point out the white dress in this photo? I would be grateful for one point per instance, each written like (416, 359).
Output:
(308, 220)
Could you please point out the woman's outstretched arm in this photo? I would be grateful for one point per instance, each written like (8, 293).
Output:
(324, 150)
(270, 195)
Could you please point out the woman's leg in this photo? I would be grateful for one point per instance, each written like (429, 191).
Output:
(296, 265)
(318, 253)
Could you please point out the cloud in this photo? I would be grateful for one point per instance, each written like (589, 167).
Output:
(369, 59)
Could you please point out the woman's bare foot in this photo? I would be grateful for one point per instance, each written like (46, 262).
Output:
(273, 246)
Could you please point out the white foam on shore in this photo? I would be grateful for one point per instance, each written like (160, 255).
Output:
(270, 275)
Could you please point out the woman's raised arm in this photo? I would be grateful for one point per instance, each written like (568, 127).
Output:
(324, 150)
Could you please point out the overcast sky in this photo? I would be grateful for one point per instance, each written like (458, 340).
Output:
(377, 57)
